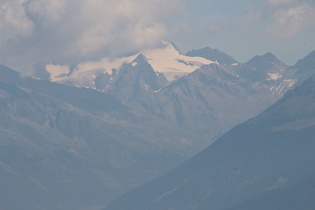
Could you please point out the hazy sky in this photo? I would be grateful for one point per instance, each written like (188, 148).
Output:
(37, 30)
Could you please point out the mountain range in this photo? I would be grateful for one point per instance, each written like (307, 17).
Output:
(77, 136)
(205, 97)
(69, 148)
(265, 163)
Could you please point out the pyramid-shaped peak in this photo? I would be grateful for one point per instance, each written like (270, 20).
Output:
(270, 56)
(168, 45)
(140, 59)
(266, 58)
(164, 44)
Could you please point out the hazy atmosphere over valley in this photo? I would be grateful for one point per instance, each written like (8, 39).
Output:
(155, 104)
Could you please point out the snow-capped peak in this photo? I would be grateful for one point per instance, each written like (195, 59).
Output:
(140, 59)
(57, 72)
(165, 59)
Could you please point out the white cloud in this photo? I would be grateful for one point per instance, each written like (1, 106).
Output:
(46, 12)
(290, 20)
(119, 25)
(58, 28)
(13, 21)
(281, 18)
(279, 2)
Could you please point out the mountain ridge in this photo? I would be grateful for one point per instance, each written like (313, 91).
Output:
(213, 88)
(58, 141)
(212, 54)
(135, 126)
(253, 158)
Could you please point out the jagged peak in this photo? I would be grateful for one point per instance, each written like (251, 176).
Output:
(141, 58)
(269, 55)
(265, 57)
(212, 54)
(170, 45)
(176, 48)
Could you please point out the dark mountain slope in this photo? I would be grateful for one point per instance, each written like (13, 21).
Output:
(8, 75)
(136, 81)
(259, 68)
(67, 148)
(302, 70)
(297, 196)
(209, 101)
(273, 151)
(205, 103)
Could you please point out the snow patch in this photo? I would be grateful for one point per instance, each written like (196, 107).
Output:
(57, 72)
(106, 64)
(171, 63)
(281, 181)
(166, 60)
(290, 82)
(134, 64)
(275, 76)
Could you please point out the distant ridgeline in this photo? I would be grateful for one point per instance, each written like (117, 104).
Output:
(78, 136)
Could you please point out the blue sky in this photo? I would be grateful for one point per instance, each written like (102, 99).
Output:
(246, 28)
(38, 30)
